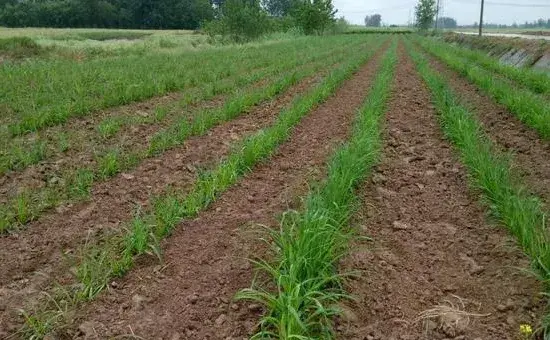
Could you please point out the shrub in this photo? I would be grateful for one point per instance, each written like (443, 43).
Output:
(239, 20)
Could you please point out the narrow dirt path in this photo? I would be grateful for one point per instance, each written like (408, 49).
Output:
(33, 258)
(190, 297)
(432, 243)
(531, 153)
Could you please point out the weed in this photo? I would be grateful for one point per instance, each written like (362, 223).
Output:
(64, 143)
(109, 127)
(109, 164)
(81, 183)
(19, 47)
(95, 269)
(23, 213)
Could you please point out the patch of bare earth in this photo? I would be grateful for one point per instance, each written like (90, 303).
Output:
(32, 259)
(436, 269)
(190, 296)
(531, 153)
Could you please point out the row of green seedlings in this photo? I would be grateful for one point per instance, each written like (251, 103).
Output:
(530, 108)
(246, 74)
(21, 153)
(76, 184)
(46, 93)
(538, 82)
(490, 173)
(78, 104)
(114, 256)
(304, 287)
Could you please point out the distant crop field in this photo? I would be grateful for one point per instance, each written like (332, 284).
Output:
(155, 185)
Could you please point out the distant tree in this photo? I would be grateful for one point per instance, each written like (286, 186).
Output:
(341, 25)
(174, 14)
(240, 20)
(313, 16)
(278, 8)
(446, 22)
(425, 12)
(373, 20)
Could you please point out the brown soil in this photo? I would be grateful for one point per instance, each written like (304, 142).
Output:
(32, 258)
(433, 250)
(531, 155)
(190, 295)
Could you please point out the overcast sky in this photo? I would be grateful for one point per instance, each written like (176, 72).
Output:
(464, 11)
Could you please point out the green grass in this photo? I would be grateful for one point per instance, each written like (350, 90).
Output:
(490, 173)
(115, 256)
(114, 160)
(108, 127)
(43, 93)
(530, 108)
(308, 245)
(535, 81)
(17, 154)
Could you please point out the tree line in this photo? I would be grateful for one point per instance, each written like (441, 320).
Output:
(152, 14)
(243, 19)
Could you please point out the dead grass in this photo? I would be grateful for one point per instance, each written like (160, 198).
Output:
(450, 317)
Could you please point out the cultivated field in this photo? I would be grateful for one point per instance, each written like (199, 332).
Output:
(357, 186)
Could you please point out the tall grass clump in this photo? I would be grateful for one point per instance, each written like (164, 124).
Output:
(530, 108)
(490, 172)
(19, 47)
(308, 244)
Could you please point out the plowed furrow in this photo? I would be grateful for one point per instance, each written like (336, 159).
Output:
(190, 296)
(437, 269)
(531, 154)
(32, 258)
